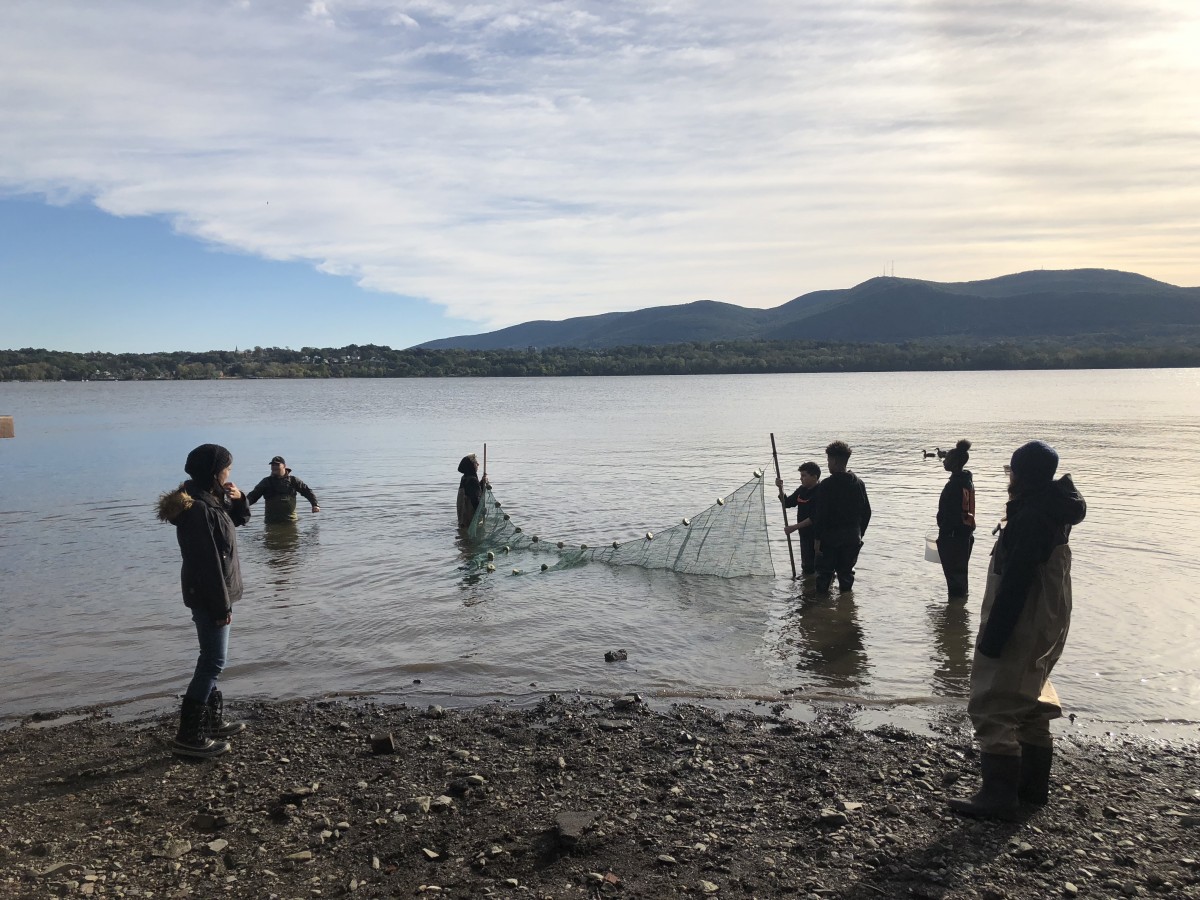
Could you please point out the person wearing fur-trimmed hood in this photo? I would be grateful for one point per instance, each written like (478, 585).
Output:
(205, 510)
(1023, 627)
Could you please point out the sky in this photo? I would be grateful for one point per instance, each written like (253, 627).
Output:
(205, 174)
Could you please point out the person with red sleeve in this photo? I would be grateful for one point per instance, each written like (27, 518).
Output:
(956, 520)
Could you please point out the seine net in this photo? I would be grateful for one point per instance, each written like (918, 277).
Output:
(729, 540)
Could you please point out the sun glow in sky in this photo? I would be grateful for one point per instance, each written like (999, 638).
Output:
(199, 175)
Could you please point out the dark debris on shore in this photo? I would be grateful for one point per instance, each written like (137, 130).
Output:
(574, 798)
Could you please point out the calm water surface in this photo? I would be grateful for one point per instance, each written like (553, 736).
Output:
(371, 594)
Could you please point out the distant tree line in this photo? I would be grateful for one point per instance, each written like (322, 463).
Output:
(699, 358)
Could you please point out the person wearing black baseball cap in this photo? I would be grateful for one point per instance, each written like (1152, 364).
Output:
(280, 489)
(1023, 628)
(205, 510)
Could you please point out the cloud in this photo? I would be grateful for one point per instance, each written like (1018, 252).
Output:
(514, 161)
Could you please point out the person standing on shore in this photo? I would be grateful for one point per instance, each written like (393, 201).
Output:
(956, 520)
(470, 489)
(1022, 631)
(802, 499)
(280, 489)
(840, 517)
(205, 510)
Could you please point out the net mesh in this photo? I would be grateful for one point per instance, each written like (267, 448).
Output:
(729, 540)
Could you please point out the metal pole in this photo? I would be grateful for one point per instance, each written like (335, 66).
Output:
(779, 477)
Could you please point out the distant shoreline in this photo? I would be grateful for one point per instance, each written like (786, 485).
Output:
(697, 358)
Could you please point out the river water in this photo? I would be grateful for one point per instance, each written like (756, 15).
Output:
(370, 595)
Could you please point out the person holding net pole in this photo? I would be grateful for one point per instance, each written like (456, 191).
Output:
(470, 489)
(802, 500)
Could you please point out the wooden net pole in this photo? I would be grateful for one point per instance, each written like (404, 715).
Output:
(779, 477)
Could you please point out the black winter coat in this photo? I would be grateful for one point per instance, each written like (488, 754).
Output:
(956, 506)
(1038, 520)
(211, 577)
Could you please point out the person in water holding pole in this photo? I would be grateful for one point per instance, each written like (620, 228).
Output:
(205, 510)
(956, 520)
(1022, 631)
(470, 489)
(840, 516)
(280, 489)
(802, 499)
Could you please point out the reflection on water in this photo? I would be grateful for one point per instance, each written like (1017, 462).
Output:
(284, 552)
(590, 461)
(950, 629)
(827, 639)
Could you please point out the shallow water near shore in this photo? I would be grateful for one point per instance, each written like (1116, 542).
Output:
(370, 595)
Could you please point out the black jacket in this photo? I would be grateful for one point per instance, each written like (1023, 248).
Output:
(956, 506)
(802, 498)
(204, 527)
(1038, 520)
(841, 511)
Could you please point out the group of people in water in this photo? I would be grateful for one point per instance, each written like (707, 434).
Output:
(1024, 616)
(1026, 609)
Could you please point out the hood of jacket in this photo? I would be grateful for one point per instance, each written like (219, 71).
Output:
(173, 504)
(1060, 501)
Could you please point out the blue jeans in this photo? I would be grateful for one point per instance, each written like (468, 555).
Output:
(214, 648)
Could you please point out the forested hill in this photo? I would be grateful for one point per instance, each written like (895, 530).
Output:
(1063, 304)
(1083, 318)
(1180, 348)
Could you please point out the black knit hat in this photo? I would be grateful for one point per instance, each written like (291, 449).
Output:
(206, 461)
(1034, 462)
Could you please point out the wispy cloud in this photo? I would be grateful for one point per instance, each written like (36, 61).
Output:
(514, 161)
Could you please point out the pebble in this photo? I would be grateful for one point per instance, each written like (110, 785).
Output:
(831, 818)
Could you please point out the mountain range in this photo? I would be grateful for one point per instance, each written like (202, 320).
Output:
(1043, 303)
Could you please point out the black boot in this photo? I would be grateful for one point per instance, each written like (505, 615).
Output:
(997, 796)
(217, 726)
(1034, 786)
(191, 739)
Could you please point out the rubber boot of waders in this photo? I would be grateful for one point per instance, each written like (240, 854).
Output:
(997, 796)
(1034, 786)
(191, 739)
(218, 726)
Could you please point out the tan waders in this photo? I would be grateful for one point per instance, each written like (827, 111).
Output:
(1012, 699)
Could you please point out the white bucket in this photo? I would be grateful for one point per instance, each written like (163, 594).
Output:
(931, 550)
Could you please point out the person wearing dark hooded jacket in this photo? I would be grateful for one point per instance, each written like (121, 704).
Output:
(205, 510)
(956, 520)
(1022, 632)
(470, 489)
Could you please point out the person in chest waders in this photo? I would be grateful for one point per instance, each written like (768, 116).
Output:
(956, 521)
(280, 489)
(1022, 631)
(470, 489)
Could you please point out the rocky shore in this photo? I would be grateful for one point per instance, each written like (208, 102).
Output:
(574, 798)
